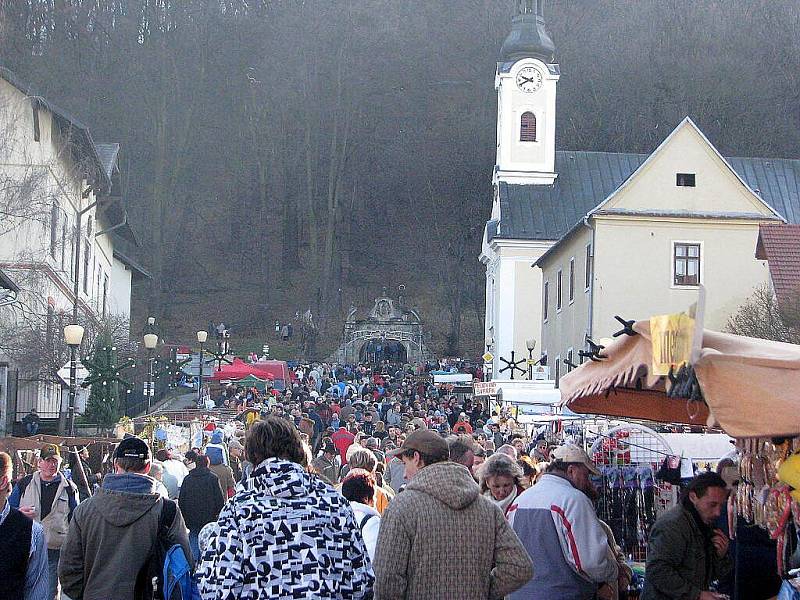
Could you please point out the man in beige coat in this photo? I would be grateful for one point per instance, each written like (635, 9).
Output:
(442, 519)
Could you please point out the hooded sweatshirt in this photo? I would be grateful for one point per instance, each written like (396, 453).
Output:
(285, 534)
(441, 516)
(111, 537)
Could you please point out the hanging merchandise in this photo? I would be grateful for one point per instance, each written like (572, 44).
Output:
(630, 496)
(670, 470)
(768, 493)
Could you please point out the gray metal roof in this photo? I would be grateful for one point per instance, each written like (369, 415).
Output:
(107, 152)
(585, 179)
(85, 137)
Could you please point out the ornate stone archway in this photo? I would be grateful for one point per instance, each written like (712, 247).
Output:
(387, 323)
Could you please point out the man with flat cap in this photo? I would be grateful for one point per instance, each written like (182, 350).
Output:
(113, 533)
(442, 516)
(49, 498)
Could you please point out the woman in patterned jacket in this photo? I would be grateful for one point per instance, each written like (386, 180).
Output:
(285, 533)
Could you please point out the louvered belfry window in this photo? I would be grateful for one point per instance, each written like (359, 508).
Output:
(527, 127)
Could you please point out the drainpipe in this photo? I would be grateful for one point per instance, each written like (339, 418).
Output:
(591, 281)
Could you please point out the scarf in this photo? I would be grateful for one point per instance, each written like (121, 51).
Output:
(506, 502)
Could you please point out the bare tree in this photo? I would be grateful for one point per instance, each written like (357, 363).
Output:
(762, 317)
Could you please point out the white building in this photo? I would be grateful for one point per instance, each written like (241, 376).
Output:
(51, 170)
(609, 229)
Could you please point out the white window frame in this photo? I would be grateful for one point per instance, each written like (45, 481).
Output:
(559, 290)
(701, 281)
(588, 268)
(571, 285)
(545, 301)
(557, 370)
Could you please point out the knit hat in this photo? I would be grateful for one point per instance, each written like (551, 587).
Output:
(216, 437)
(214, 454)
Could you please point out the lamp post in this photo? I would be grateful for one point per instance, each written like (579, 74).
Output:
(531, 346)
(202, 336)
(73, 336)
(150, 343)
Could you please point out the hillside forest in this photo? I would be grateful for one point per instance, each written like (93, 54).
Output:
(280, 156)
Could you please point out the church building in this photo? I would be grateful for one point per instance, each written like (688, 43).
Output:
(576, 237)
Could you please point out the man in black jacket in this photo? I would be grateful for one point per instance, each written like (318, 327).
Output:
(685, 553)
(200, 498)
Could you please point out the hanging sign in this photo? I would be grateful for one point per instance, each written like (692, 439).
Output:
(676, 339)
(484, 388)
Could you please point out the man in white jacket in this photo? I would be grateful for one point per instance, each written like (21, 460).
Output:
(359, 488)
(557, 524)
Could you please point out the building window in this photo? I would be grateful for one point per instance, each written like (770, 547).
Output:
(588, 271)
(86, 263)
(557, 368)
(64, 244)
(105, 294)
(36, 132)
(686, 263)
(685, 180)
(545, 299)
(527, 127)
(569, 360)
(54, 230)
(572, 280)
(558, 290)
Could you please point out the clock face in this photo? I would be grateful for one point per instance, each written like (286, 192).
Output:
(529, 79)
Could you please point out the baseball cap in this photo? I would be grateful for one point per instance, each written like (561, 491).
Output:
(424, 441)
(132, 447)
(48, 451)
(570, 453)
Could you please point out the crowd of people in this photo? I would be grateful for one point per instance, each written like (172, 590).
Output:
(356, 484)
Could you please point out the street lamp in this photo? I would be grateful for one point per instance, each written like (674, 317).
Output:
(150, 343)
(531, 346)
(202, 336)
(73, 336)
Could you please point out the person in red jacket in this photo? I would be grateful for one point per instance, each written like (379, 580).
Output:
(462, 425)
(343, 439)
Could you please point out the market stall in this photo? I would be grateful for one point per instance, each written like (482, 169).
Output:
(742, 386)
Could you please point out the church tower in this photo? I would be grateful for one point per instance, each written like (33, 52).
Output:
(526, 100)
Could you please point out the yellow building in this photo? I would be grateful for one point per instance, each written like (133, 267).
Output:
(576, 237)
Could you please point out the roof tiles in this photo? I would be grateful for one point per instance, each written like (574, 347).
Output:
(779, 245)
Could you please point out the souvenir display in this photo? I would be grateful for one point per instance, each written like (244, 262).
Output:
(768, 493)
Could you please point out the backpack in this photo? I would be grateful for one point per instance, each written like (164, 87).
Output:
(178, 581)
(166, 572)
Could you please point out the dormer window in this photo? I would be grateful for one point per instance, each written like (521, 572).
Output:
(685, 180)
(527, 127)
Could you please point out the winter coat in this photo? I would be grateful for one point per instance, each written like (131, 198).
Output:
(426, 524)
(224, 477)
(111, 536)
(369, 527)
(681, 560)
(200, 498)
(285, 534)
(560, 529)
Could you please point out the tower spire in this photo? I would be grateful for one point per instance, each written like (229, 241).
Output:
(528, 37)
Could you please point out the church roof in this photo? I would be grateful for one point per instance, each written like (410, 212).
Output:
(585, 179)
